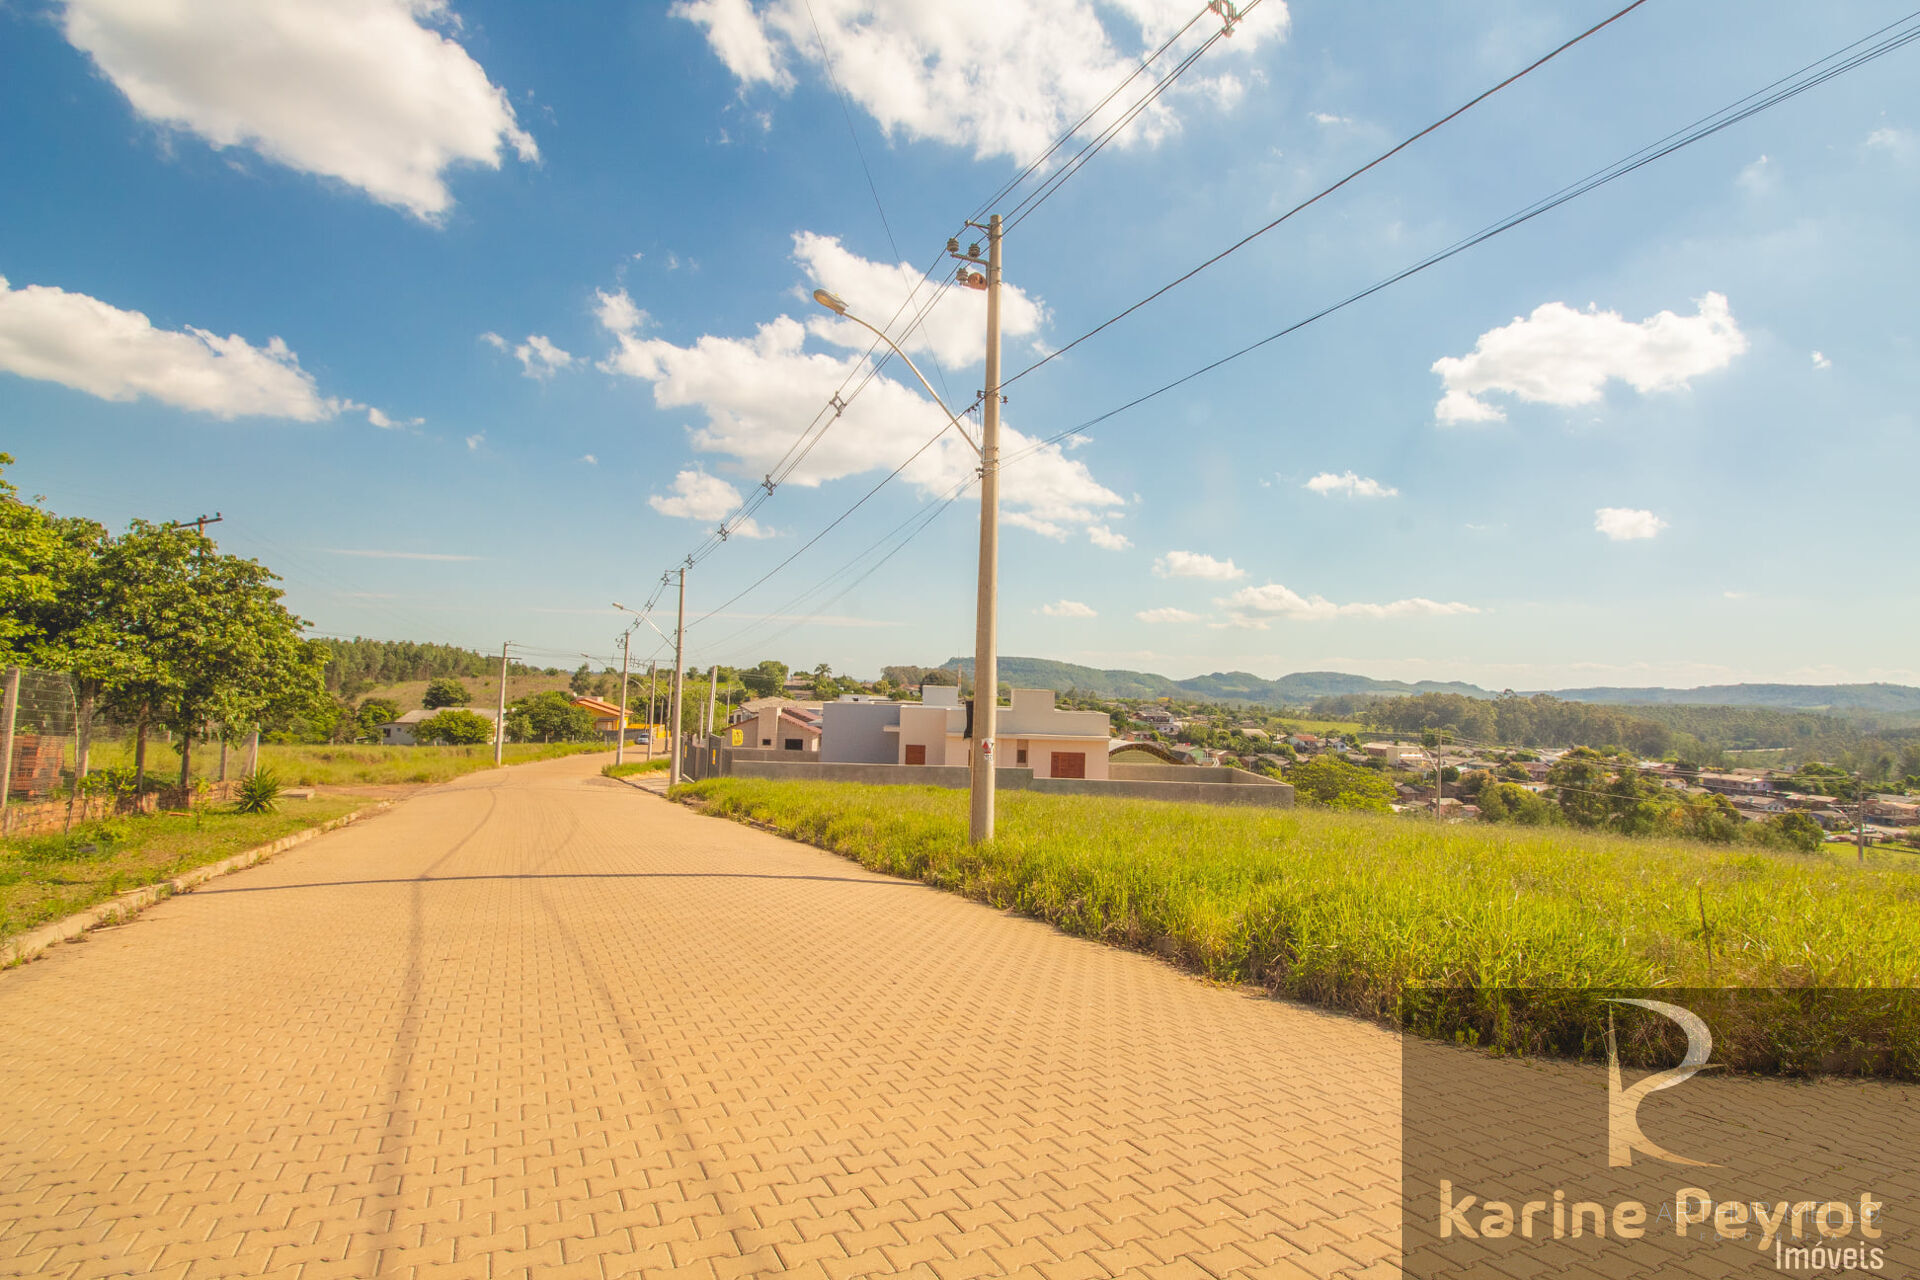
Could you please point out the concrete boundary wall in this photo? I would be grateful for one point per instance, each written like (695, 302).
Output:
(1216, 787)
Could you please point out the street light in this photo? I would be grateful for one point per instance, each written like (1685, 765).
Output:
(986, 665)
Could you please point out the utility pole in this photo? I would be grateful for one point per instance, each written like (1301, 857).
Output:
(500, 724)
(986, 657)
(713, 687)
(1859, 827)
(199, 523)
(679, 679)
(8, 712)
(620, 729)
(653, 697)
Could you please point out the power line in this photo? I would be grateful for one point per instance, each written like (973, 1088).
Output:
(1327, 191)
(1781, 90)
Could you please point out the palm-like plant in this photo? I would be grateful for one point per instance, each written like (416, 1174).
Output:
(259, 792)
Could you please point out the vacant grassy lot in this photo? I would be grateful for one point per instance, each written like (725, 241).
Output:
(1356, 911)
(306, 765)
(43, 878)
(632, 767)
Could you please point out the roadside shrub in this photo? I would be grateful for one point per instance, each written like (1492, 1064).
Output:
(259, 793)
(456, 727)
(1330, 781)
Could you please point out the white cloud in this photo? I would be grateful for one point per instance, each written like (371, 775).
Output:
(1353, 486)
(1564, 357)
(589, 459)
(699, 496)
(1068, 609)
(1004, 81)
(758, 393)
(1896, 141)
(1820, 361)
(1760, 178)
(1625, 524)
(364, 91)
(1106, 539)
(1166, 615)
(1329, 120)
(477, 439)
(954, 332)
(92, 346)
(1192, 564)
(1254, 607)
(539, 358)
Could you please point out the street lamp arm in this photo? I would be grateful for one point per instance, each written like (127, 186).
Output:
(841, 310)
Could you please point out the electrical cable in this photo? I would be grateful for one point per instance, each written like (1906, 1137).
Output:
(1808, 77)
(1325, 192)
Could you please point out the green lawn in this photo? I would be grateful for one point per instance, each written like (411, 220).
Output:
(656, 765)
(305, 764)
(1356, 911)
(43, 878)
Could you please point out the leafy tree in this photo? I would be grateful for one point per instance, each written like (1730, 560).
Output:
(30, 552)
(445, 691)
(765, 680)
(1506, 802)
(1332, 782)
(373, 713)
(1582, 777)
(550, 717)
(455, 726)
(581, 682)
(1710, 818)
(1793, 831)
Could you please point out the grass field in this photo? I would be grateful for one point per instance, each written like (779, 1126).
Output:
(632, 767)
(306, 765)
(43, 878)
(485, 690)
(1320, 728)
(1356, 911)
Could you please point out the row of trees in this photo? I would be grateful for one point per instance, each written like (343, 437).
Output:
(155, 627)
(1538, 721)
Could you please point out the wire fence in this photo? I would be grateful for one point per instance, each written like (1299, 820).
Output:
(60, 771)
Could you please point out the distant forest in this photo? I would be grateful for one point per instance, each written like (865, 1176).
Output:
(356, 665)
(1704, 734)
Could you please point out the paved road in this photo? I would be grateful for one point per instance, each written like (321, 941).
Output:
(539, 1023)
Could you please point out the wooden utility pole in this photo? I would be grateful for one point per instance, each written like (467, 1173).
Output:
(653, 698)
(713, 687)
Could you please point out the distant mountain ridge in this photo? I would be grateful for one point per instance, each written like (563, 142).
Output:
(1303, 687)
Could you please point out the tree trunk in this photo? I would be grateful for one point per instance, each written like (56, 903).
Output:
(186, 759)
(140, 756)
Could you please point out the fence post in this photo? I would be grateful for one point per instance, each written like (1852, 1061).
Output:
(7, 714)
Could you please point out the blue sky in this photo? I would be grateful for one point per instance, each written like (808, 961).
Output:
(472, 318)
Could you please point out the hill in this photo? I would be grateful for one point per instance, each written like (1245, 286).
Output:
(1304, 687)
(1221, 686)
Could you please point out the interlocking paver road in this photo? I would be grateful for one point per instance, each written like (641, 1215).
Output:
(535, 1022)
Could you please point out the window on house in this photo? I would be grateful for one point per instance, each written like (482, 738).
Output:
(916, 753)
(766, 742)
(790, 744)
(1069, 764)
(1020, 752)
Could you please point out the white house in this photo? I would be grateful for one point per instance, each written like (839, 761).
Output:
(1032, 734)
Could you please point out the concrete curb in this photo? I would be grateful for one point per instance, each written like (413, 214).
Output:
(125, 906)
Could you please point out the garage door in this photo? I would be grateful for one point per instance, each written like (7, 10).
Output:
(1069, 764)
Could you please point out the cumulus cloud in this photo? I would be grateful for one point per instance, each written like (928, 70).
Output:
(1105, 538)
(1328, 119)
(954, 332)
(1192, 564)
(699, 496)
(757, 394)
(1564, 357)
(475, 440)
(92, 346)
(363, 91)
(589, 459)
(1255, 607)
(1820, 361)
(1166, 615)
(1347, 484)
(1626, 524)
(538, 356)
(384, 421)
(1068, 609)
(1005, 83)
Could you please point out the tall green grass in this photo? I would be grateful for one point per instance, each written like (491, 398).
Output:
(1354, 910)
(303, 764)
